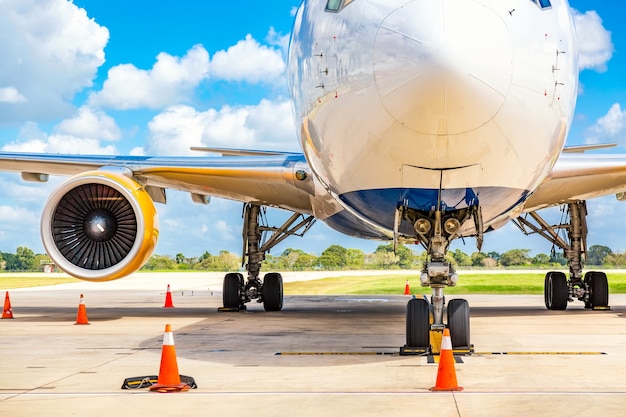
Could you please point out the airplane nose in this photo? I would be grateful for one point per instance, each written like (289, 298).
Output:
(443, 67)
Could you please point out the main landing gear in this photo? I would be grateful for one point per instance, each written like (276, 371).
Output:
(593, 288)
(258, 239)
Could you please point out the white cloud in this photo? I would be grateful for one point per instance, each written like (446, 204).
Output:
(19, 226)
(170, 81)
(173, 223)
(80, 134)
(223, 230)
(19, 222)
(609, 126)
(33, 139)
(175, 130)
(613, 122)
(193, 228)
(273, 125)
(11, 95)
(90, 123)
(267, 125)
(28, 193)
(601, 220)
(276, 39)
(248, 61)
(50, 49)
(595, 47)
(14, 215)
(64, 144)
(137, 151)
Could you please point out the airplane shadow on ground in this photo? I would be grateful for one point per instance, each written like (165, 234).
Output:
(309, 332)
(295, 308)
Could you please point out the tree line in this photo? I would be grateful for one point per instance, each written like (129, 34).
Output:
(335, 257)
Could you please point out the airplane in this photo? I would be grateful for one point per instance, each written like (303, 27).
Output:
(419, 121)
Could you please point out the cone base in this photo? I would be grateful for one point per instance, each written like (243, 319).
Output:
(436, 389)
(81, 324)
(170, 388)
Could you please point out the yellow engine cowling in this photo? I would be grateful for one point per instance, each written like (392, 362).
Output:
(99, 226)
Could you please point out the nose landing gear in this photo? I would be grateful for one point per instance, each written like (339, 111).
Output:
(424, 318)
(423, 336)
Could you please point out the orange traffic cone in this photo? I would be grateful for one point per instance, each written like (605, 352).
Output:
(168, 298)
(446, 375)
(407, 289)
(81, 317)
(169, 378)
(7, 313)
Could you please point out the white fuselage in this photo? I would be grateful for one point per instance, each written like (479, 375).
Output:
(430, 104)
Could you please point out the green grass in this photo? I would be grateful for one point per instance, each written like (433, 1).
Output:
(470, 283)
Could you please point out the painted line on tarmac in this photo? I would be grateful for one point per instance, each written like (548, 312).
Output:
(474, 353)
(418, 391)
(539, 353)
(334, 353)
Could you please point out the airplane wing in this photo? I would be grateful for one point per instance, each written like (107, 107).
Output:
(578, 177)
(585, 148)
(271, 178)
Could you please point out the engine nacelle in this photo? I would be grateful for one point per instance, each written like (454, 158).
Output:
(99, 226)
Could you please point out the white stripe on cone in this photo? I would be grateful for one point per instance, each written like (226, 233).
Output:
(168, 339)
(446, 343)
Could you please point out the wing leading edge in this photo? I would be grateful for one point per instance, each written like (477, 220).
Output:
(284, 180)
(279, 180)
(577, 177)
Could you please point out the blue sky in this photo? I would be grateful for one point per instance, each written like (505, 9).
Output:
(134, 77)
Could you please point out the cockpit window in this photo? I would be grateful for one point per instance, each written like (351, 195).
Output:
(337, 5)
(544, 4)
(333, 5)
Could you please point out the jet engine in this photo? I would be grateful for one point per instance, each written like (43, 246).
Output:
(99, 226)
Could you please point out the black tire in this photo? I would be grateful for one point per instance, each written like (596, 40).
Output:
(231, 294)
(418, 324)
(272, 292)
(598, 289)
(459, 323)
(555, 290)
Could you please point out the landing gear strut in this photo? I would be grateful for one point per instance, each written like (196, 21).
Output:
(593, 288)
(258, 239)
(424, 318)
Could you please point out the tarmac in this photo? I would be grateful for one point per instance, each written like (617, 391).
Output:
(320, 356)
